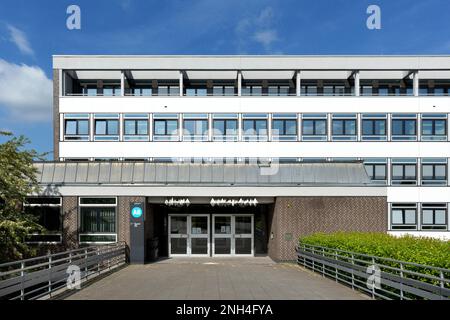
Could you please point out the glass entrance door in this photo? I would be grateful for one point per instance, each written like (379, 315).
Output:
(189, 235)
(233, 235)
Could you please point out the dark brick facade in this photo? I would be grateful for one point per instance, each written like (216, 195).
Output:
(300, 216)
(70, 222)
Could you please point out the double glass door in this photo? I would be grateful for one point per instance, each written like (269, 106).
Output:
(232, 235)
(189, 235)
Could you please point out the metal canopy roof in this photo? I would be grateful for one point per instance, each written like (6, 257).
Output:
(145, 173)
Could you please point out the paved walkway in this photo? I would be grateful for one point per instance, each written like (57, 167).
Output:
(215, 278)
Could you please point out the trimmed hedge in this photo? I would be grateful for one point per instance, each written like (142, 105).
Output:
(420, 250)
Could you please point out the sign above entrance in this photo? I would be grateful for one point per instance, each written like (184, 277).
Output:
(234, 202)
(177, 202)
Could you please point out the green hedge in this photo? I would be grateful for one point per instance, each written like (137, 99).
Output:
(427, 251)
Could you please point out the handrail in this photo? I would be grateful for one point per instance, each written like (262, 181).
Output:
(395, 280)
(44, 276)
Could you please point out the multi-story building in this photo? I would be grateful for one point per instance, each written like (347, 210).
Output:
(241, 155)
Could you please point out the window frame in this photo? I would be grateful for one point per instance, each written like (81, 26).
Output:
(100, 234)
(135, 136)
(314, 119)
(433, 136)
(373, 118)
(254, 119)
(226, 118)
(284, 119)
(53, 233)
(403, 207)
(403, 180)
(403, 119)
(166, 118)
(434, 207)
(344, 119)
(77, 118)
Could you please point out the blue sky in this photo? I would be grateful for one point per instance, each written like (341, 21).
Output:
(32, 31)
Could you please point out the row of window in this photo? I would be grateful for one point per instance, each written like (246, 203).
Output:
(256, 127)
(311, 89)
(426, 216)
(97, 219)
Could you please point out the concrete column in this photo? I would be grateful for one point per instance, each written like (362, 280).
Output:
(62, 80)
(122, 83)
(357, 86)
(416, 84)
(298, 84)
(239, 78)
(181, 83)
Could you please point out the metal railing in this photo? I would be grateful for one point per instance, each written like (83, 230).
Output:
(46, 276)
(396, 279)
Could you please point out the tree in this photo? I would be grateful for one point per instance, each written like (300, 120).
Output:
(17, 180)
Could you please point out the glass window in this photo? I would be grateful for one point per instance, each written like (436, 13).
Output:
(98, 220)
(165, 129)
(403, 216)
(314, 129)
(434, 129)
(434, 216)
(344, 129)
(135, 127)
(376, 171)
(255, 127)
(284, 129)
(47, 213)
(404, 129)
(434, 173)
(373, 129)
(195, 129)
(225, 128)
(106, 127)
(404, 173)
(76, 128)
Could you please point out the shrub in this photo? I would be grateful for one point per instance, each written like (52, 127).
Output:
(420, 250)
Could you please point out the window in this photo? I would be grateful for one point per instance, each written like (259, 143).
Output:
(376, 170)
(404, 216)
(434, 216)
(165, 127)
(344, 127)
(278, 90)
(434, 171)
(90, 90)
(168, 91)
(196, 91)
(374, 127)
(47, 212)
(404, 127)
(97, 220)
(223, 91)
(135, 127)
(111, 90)
(314, 127)
(255, 127)
(284, 127)
(225, 127)
(76, 127)
(434, 127)
(195, 127)
(309, 90)
(142, 91)
(251, 91)
(404, 171)
(106, 127)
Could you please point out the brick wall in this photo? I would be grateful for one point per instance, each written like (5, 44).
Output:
(70, 222)
(300, 216)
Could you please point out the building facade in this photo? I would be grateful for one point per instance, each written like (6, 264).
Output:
(384, 117)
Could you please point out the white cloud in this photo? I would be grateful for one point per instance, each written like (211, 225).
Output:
(257, 28)
(25, 92)
(19, 38)
(266, 37)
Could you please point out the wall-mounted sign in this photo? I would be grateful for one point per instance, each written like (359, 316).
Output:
(177, 202)
(136, 212)
(234, 202)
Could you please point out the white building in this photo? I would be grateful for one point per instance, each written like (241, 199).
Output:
(389, 112)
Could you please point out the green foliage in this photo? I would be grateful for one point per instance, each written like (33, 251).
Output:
(12, 235)
(420, 250)
(17, 180)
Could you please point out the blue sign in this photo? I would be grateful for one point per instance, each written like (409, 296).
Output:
(136, 212)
